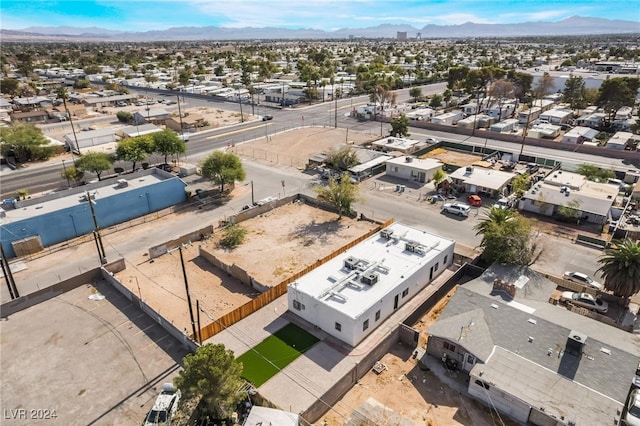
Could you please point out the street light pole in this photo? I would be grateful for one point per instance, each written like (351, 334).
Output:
(66, 175)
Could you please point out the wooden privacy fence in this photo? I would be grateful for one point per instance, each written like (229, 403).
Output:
(276, 291)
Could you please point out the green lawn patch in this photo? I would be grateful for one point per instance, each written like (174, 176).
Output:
(274, 353)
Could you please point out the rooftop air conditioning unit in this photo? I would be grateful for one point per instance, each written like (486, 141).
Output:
(469, 169)
(410, 246)
(533, 192)
(408, 159)
(370, 278)
(386, 233)
(351, 262)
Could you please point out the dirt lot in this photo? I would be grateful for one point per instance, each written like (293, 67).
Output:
(278, 243)
(294, 148)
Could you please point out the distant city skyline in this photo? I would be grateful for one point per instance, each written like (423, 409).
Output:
(327, 15)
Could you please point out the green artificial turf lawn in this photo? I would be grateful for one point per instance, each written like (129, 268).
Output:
(274, 353)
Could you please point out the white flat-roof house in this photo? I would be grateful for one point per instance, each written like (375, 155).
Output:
(556, 116)
(480, 180)
(448, 118)
(619, 140)
(592, 200)
(402, 145)
(529, 116)
(413, 169)
(579, 134)
(352, 294)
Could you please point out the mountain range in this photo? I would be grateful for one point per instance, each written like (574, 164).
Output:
(575, 25)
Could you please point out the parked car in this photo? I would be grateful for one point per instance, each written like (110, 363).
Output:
(164, 408)
(474, 200)
(460, 209)
(585, 300)
(435, 198)
(579, 277)
(632, 418)
(267, 117)
(432, 140)
(140, 103)
(169, 102)
(503, 204)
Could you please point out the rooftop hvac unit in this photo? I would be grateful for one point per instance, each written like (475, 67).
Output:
(575, 343)
(351, 262)
(386, 233)
(371, 278)
(469, 169)
(408, 159)
(411, 246)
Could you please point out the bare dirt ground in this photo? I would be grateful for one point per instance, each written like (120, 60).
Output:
(294, 148)
(278, 243)
(417, 395)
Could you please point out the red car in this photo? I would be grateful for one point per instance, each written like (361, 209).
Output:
(474, 200)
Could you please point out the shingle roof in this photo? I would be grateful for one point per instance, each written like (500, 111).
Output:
(524, 329)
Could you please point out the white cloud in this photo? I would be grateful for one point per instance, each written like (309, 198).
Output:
(543, 15)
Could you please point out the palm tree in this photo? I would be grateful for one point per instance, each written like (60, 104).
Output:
(621, 268)
(505, 237)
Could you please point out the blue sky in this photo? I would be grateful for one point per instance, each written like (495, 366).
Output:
(328, 15)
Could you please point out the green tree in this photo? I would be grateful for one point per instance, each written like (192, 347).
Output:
(232, 236)
(415, 93)
(615, 93)
(341, 194)
(134, 149)
(400, 126)
(595, 173)
(436, 101)
(9, 86)
(575, 92)
(25, 142)
(96, 162)
(343, 159)
(168, 143)
(505, 237)
(72, 174)
(211, 380)
(81, 83)
(621, 268)
(438, 176)
(124, 116)
(222, 168)
(570, 212)
(520, 184)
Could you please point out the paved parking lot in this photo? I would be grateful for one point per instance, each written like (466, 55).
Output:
(103, 363)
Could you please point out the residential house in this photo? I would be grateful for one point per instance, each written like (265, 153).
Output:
(556, 116)
(448, 118)
(412, 169)
(509, 125)
(592, 201)
(81, 141)
(579, 135)
(352, 294)
(594, 120)
(620, 140)
(529, 116)
(402, 146)
(476, 121)
(478, 180)
(38, 116)
(535, 362)
(151, 115)
(500, 112)
(548, 131)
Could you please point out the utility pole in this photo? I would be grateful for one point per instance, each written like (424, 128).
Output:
(186, 286)
(335, 120)
(96, 233)
(240, 100)
(8, 275)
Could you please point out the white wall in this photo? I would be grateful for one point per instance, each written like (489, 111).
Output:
(493, 397)
(325, 316)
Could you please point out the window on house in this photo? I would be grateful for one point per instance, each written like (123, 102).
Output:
(448, 346)
(445, 260)
(296, 305)
(377, 315)
(365, 325)
(405, 292)
(435, 268)
(338, 326)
